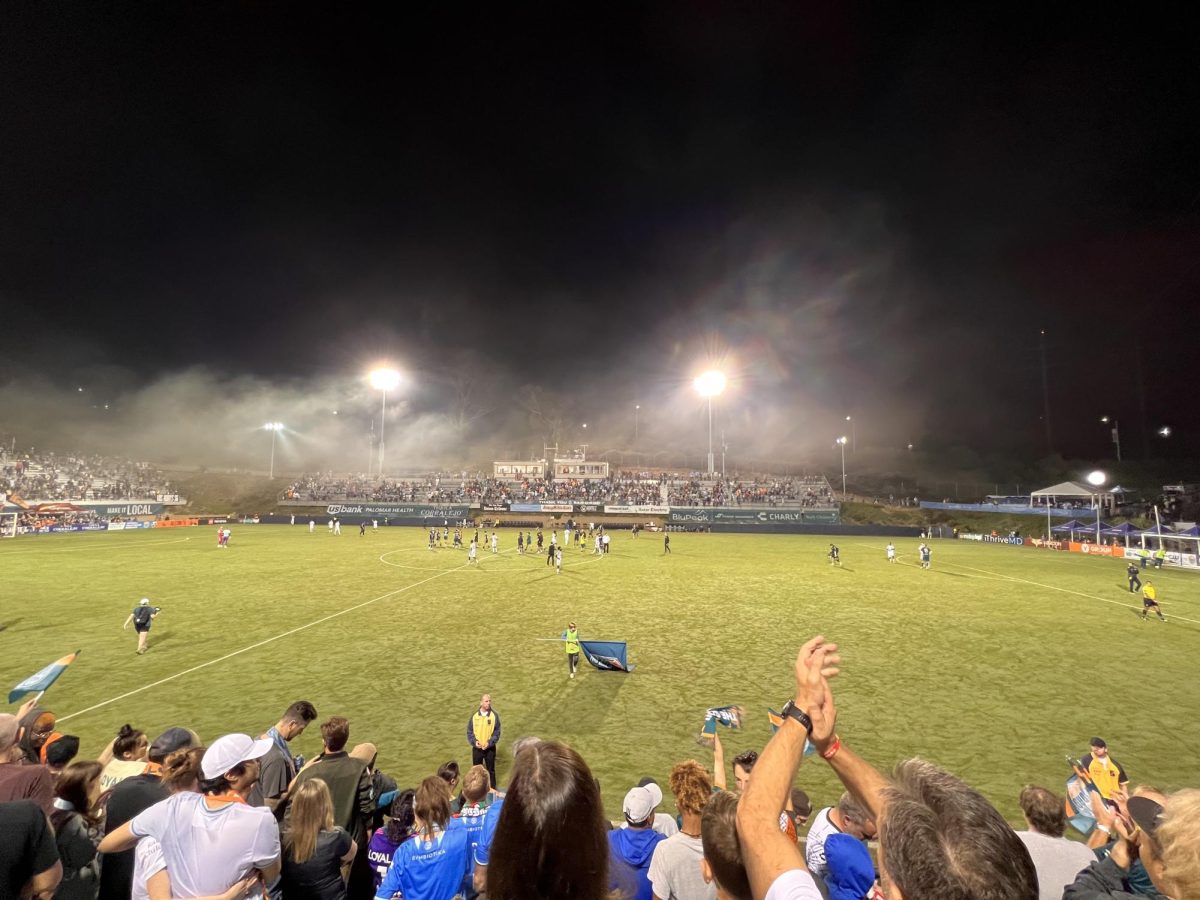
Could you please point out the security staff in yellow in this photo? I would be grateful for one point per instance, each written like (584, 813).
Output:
(571, 645)
(1106, 773)
(483, 733)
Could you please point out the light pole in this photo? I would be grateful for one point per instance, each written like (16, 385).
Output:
(708, 385)
(274, 428)
(636, 409)
(853, 434)
(842, 443)
(1096, 479)
(383, 380)
(1116, 433)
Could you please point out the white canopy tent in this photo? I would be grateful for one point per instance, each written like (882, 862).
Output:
(1072, 492)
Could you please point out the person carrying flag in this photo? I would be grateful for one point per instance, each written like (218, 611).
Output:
(571, 645)
(141, 617)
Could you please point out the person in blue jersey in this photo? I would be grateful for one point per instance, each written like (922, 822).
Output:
(432, 864)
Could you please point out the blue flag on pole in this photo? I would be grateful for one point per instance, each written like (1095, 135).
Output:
(40, 681)
(608, 656)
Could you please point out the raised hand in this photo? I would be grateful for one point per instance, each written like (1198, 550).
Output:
(816, 663)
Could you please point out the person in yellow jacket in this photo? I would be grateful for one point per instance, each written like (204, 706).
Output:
(1150, 602)
(571, 645)
(483, 733)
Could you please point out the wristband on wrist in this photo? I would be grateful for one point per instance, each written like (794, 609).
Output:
(1104, 828)
(832, 750)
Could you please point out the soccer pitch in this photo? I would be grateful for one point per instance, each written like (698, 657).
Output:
(994, 664)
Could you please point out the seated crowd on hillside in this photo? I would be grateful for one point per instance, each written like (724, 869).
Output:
(625, 488)
(171, 816)
(53, 477)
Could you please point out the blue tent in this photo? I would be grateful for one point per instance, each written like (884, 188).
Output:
(1194, 531)
(1158, 531)
(1125, 529)
(1073, 525)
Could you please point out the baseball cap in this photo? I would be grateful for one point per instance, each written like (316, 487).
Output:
(60, 749)
(1145, 812)
(145, 601)
(641, 801)
(231, 750)
(177, 738)
(1098, 742)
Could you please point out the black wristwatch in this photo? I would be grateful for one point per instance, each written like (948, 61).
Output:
(791, 709)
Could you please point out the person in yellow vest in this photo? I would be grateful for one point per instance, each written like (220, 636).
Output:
(483, 733)
(1106, 773)
(1160, 556)
(571, 645)
(1150, 602)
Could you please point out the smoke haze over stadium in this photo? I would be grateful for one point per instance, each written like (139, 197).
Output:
(222, 215)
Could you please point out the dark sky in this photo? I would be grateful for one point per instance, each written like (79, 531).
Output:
(859, 211)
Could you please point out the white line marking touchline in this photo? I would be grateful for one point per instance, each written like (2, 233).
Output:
(255, 646)
(1066, 591)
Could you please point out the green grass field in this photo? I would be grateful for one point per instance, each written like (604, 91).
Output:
(994, 664)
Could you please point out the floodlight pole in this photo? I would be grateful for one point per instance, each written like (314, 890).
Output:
(711, 467)
(274, 431)
(382, 426)
(842, 444)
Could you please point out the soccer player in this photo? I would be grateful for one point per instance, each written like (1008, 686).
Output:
(550, 555)
(558, 560)
(666, 543)
(539, 539)
(891, 552)
(495, 542)
(925, 554)
(362, 528)
(337, 526)
(220, 537)
(1150, 602)
(225, 537)
(471, 555)
(433, 537)
(312, 525)
(141, 617)
(374, 525)
(520, 543)
(571, 645)
(835, 555)
(1135, 583)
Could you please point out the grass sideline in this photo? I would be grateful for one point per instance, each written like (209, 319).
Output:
(994, 664)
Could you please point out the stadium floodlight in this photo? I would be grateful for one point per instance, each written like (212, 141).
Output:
(1116, 432)
(853, 434)
(842, 443)
(1096, 479)
(383, 380)
(274, 428)
(1165, 431)
(708, 385)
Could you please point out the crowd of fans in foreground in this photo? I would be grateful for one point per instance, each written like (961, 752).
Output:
(674, 489)
(52, 477)
(243, 817)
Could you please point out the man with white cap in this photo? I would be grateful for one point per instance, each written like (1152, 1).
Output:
(211, 840)
(631, 848)
(141, 617)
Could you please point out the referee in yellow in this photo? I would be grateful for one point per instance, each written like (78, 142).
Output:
(1150, 602)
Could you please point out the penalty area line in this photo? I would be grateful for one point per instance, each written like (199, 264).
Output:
(256, 645)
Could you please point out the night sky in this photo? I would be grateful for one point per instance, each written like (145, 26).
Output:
(856, 211)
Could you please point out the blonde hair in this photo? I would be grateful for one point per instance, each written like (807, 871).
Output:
(1179, 840)
(476, 784)
(312, 812)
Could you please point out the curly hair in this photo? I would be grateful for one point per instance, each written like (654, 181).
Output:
(692, 786)
(1179, 841)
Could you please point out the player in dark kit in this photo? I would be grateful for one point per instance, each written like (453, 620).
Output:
(666, 544)
(550, 555)
(1150, 602)
(835, 555)
(1135, 583)
(141, 617)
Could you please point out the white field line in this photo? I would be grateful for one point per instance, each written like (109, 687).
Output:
(256, 645)
(106, 548)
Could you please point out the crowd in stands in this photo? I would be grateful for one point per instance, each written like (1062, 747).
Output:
(169, 816)
(626, 488)
(53, 477)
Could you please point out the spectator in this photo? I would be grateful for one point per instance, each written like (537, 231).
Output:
(315, 849)
(743, 765)
(938, 838)
(37, 725)
(664, 824)
(471, 807)
(850, 873)
(58, 751)
(433, 864)
(799, 809)
(1160, 832)
(125, 757)
(848, 817)
(1057, 860)
(722, 865)
(29, 865)
(19, 781)
(395, 832)
(278, 767)
(483, 733)
(482, 850)
(78, 826)
(383, 787)
(211, 841)
(675, 872)
(132, 796)
(632, 848)
(550, 839)
(449, 773)
(349, 784)
(180, 771)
